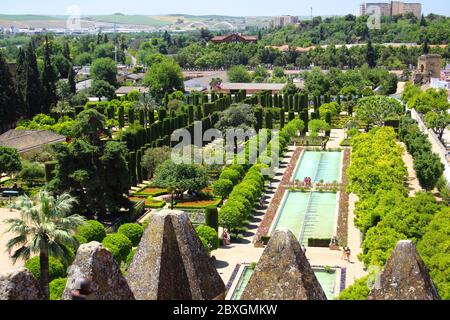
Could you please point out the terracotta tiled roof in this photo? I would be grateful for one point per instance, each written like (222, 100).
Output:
(27, 140)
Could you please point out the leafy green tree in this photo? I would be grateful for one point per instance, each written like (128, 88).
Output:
(239, 74)
(101, 88)
(438, 121)
(371, 55)
(237, 116)
(44, 228)
(9, 160)
(104, 69)
(317, 126)
(376, 110)
(32, 171)
(153, 158)
(357, 291)
(62, 108)
(178, 178)
(90, 125)
(429, 169)
(164, 77)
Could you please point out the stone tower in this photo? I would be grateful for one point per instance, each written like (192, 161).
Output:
(428, 66)
(171, 262)
(283, 272)
(405, 277)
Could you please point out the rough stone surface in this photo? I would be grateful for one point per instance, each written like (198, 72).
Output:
(97, 264)
(405, 277)
(20, 284)
(171, 262)
(283, 272)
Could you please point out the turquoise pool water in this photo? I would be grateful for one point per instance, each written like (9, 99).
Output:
(319, 166)
(308, 215)
(326, 280)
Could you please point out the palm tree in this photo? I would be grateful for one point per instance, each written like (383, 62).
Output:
(43, 228)
(146, 104)
(62, 108)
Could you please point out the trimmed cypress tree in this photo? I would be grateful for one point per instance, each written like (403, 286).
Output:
(291, 115)
(268, 120)
(121, 117)
(151, 116)
(212, 217)
(132, 168)
(282, 118)
(130, 116)
(142, 117)
(259, 118)
(139, 166)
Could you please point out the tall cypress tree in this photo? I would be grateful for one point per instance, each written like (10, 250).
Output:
(32, 90)
(21, 77)
(71, 80)
(371, 56)
(66, 51)
(8, 98)
(48, 80)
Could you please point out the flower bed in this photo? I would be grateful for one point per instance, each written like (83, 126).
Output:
(342, 225)
(197, 203)
(264, 227)
(150, 202)
(150, 191)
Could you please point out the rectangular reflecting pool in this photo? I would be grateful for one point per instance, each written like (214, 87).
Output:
(307, 215)
(326, 279)
(325, 166)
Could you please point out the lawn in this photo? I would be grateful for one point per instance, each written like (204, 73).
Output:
(150, 191)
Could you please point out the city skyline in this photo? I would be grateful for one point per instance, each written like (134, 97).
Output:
(201, 7)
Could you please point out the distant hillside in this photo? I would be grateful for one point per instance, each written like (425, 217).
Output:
(26, 17)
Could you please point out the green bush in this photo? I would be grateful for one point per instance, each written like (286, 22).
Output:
(56, 288)
(357, 291)
(210, 235)
(239, 168)
(92, 231)
(119, 245)
(132, 231)
(130, 258)
(222, 187)
(56, 268)
(231, 174)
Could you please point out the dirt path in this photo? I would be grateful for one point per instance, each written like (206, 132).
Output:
(5, 262)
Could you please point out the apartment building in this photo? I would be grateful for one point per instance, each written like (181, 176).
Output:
(391, 9)
(281, 21)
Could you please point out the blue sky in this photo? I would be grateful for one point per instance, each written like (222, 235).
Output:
(198, 7)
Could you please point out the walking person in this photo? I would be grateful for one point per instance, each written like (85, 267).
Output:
(348, 252)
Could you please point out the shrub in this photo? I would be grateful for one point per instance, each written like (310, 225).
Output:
(130, 258)
(56, 288)
(210, 235)
(239, 168)
(222, 187)
(357, 291)
(92, 231)
(119, 245)
(56, 268)
(231, 175)
(132, 231)
(212, 218)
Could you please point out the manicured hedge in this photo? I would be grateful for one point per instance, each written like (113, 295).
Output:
(56, 268)
(212, 217)
(119, 245)
(132, 231)
(222, 187)
(56, 288)
(210, 235)
(92, 231)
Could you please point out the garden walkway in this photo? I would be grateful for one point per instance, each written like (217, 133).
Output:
(413, 182)
(5, 262)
